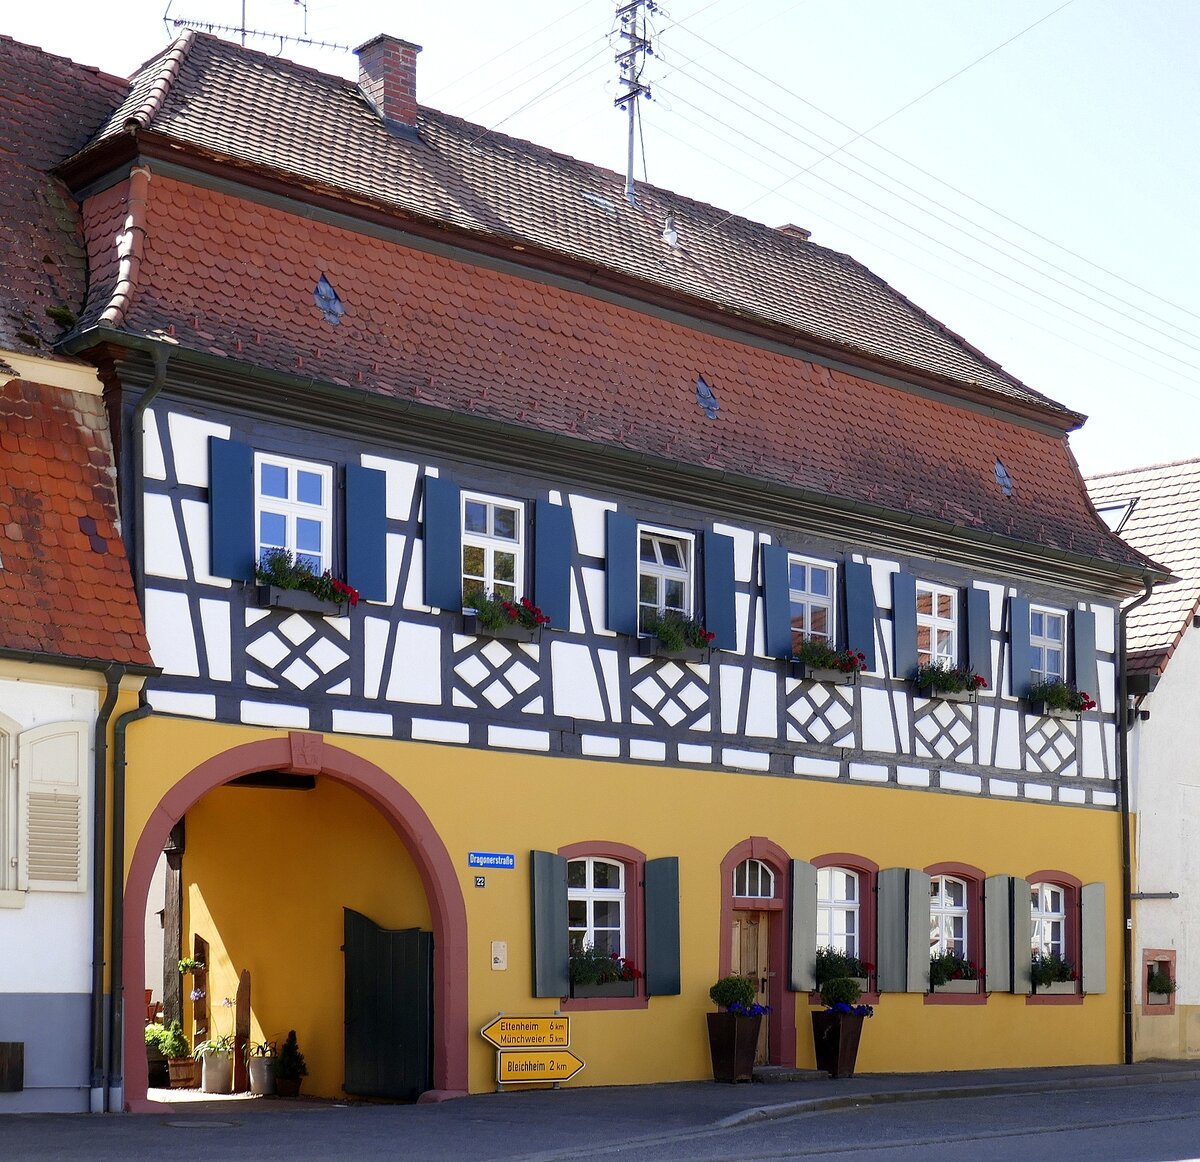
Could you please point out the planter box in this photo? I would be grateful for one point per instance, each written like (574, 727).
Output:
(1156, 998)
(732, 1043)
(651, 647)
(1041, 710)
(612, 988)
(947, 695)
(957, 986)
(798, 669)
(835, 1041)
(271, 596)
(1058, 988)
(513, 633)
(182, 1072)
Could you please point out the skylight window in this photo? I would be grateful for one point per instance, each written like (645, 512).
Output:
(328, 302)
(1003, 479)
(707, 398)
(1116, 513)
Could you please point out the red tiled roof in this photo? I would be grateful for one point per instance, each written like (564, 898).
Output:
(65, 587)
(258, 110)
(1164, 523)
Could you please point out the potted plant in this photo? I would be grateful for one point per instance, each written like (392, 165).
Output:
(951, 973)
(673, 634)
(190, 965)
(288, 583)
(837, 1029)
(833, 962)
(1058, 700)
(260, 1061)
(1159, 987)
(595, 973)
(820, 661)
(158, 1075)
(496, 616)
(733, 1034)
(1050, 973)
(216, 1059)
(175, 1048)
(289, 1067)
(950, 683)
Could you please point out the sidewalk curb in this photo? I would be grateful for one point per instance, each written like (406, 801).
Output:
(819, 1105)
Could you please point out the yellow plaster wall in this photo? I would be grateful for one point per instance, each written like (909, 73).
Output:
(495, 801)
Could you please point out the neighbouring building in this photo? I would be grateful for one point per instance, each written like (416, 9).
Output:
(440, 362)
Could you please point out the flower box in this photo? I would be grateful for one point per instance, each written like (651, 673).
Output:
(652, 647)
(947, 695)
(1057, 988)
(272, 596)
(611, 988)
(798, 669)
(513, 633)
(957, 986)
(1154, 998)
(1041, 710)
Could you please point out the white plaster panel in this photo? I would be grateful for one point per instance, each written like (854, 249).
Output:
(394, 547)
(690, 752)
(760, 628)
(362, 722)
(600, 747)
(514, 738)
(415, 673)
(169, 627)
(877, 731)
(154, 467)
(610, 662)
(750, 760)
(401, 484)
(1071, 795)
(189, 442)
(741, 619)
(647, 749)
(743, 550)
(762, 715)
(1107, 694)
(1008, 740)
(414, 583)
(1003, 787)
(823, 768)
(1091, 754)
(869, 772)
(555, 496)
(731, 697)
(214, 623)
(1038, 791)
(985, 716)
(431, 730)
(1110, 747)
(594, 589)
(884, 661)
(164, 554)
(1105, 799)
(881, 580)
(271, 714)
(35, 703)
(342, 687)
(375, 635)
(958, 781)
(588, 516)
(576, 690)
(995, 603)
(912, 776)
(576, 625)
(1106, 628)
(195, 524)
(45, 948)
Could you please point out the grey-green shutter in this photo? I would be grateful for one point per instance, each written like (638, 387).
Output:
(553, 547)
(902, 953)
(1019, 654)
(232, 535)
(1022, 938)
(720, 606)
(620, 567)
(860, 610)
(1092, 944)
(548, 908)
(443, 543)
(662, 926)
(979, 633)
(904, 624)
(366, 531)
(998, 905)
(777, 601)
(803, 963)
(1084, 635)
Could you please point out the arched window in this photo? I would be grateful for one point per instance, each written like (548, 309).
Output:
(948, 899)
(1049, 905)
(596, 904)
(839, 899)
(753, 879)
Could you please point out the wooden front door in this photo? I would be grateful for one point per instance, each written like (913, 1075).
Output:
(751, 957)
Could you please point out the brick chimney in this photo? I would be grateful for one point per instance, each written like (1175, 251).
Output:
(387, 76)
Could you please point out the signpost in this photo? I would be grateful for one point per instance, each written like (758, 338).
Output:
(528, 1032)
(532, 1049)
(549, 1065)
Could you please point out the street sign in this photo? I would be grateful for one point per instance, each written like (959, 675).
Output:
(518, 1065)
(493, 859)
(528, 1032)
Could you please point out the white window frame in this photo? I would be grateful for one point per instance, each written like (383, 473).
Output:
(290, 508)
(753, 873)
(492, 544)
(938, 625)
(663, 573)
(1043, 913)
(591, 895)
(830, 906)
(942, 915)
(1040, 643)
(808, 599)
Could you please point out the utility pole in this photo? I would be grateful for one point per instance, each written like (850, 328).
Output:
(634, 32)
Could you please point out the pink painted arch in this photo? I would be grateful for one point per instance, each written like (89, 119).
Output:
(309, 754)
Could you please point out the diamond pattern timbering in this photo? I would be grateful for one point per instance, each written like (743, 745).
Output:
(291, 651)
(944, 730)
(667, 693)
(495, 674)
(1050, 746)
(820, 713)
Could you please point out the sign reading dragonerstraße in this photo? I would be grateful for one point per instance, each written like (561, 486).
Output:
(528, 1032)
(493, 859)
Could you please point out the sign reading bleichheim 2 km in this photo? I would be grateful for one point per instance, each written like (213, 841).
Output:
(528, 1032)
(514, 1065)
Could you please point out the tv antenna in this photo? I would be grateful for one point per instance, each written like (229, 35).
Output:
(634, 31)
(243, 31)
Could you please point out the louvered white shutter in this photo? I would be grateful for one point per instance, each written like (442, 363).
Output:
(52, 807)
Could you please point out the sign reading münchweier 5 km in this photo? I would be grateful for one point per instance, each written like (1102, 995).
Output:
(514, 1065)
(528, 1032)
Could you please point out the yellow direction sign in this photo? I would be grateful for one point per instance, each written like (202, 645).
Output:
(528, 1032)
(517, 1065)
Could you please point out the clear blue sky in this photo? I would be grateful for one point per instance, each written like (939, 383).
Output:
(1026, 171)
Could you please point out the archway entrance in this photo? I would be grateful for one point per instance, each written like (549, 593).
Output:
(423, 853)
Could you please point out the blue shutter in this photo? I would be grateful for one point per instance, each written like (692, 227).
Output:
(904, 624)
(548, 909)
(979, 633)
(1020, 656)
(621, 572)
(662, 926)
(860, 610)
(553, 547)
(443, 544)
(777, 601)
(720, 610)
(1086, 677)
(232, 539)
(366, 531)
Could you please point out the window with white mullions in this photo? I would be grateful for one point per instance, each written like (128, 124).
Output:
(596, 905)
(937, 624)
(293, 509)
(810, 586)
(838, 900)
(664, 575)
(493, 555)
(753, 879)
(1047, 644)
(1049, 903)
(948, 915)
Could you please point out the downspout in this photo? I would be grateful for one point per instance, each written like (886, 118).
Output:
(1126, 844)
(112, 679)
